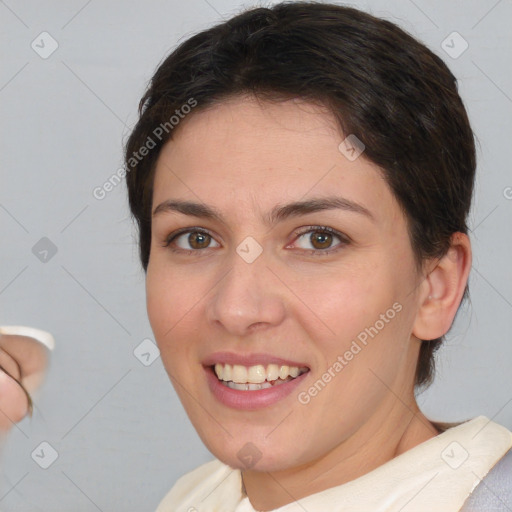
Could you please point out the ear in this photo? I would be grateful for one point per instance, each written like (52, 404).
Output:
(442, 290)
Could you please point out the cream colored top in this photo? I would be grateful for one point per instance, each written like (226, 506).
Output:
(437, 475)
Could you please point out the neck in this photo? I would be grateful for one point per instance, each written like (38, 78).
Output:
(378, 441)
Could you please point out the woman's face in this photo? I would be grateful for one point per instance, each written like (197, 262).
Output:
(262, 285)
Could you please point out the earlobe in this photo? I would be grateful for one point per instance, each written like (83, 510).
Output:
(442, 290)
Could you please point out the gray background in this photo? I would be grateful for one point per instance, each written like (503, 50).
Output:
(121, 435)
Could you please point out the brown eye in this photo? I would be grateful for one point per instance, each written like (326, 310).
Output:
(321, 240)
(199, 240)
(191, 240)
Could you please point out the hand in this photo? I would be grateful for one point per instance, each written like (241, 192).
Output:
(23, 363)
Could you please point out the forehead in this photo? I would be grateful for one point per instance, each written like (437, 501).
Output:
(246, 153)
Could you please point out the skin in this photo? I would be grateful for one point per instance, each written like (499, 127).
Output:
(23, 362)
(13, 400)
(244, 157)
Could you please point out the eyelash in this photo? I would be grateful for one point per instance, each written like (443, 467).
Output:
(344, 240)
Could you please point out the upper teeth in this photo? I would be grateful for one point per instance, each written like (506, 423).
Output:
(256, 374)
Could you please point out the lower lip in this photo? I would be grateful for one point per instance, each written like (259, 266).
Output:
(250, 400)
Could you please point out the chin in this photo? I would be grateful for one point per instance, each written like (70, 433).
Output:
(244, 454)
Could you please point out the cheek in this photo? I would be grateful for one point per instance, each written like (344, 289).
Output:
(345, 301)
(172, 302)
(363, 321)
(166, 295)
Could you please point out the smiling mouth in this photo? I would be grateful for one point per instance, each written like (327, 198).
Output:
(254, 378)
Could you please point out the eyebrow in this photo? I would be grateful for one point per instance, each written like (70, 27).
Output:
(277, 214)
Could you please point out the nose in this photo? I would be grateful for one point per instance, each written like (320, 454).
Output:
(248, 298)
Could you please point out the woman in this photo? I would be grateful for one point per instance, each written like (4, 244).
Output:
(301, 178)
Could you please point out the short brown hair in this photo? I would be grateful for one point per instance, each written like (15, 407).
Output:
(383, 86)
